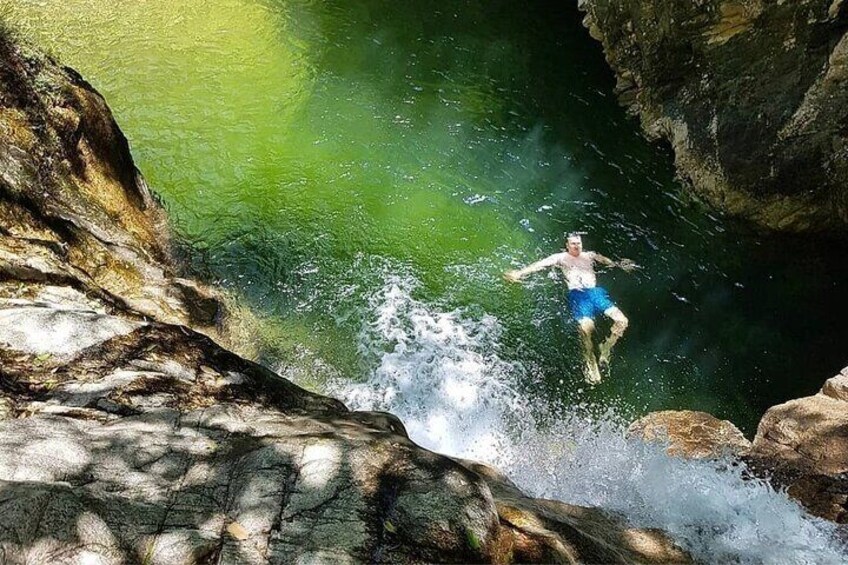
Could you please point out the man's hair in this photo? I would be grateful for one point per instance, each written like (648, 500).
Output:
(574, 235)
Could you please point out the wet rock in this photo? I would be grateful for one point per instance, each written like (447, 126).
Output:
(824, 496)
(804, 444)
(548, 531)
(695, 435)
(751, 96)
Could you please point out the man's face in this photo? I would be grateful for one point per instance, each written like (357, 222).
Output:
(574, 245)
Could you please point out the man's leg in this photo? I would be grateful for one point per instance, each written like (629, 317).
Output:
(590, 370)
(619, 324)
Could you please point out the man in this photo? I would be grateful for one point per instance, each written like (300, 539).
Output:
(585, 298)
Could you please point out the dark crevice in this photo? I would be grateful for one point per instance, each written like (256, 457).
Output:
(277, 524)
(35, 210)
(386, 517)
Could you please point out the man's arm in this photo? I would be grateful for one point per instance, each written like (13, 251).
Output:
(515, 276)
(625, 264)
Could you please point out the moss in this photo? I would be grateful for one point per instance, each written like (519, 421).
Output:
(473, 540)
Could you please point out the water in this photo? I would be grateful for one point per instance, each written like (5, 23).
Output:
(349, 167)
(442, 374)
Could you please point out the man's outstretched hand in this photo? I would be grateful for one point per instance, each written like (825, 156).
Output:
(512, 276)
(627, 265)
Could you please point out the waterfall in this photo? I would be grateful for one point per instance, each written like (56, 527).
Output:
(441, 373)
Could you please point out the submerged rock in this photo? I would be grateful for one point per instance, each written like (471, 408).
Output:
(127, 434)
(751, 95)
(695, 435)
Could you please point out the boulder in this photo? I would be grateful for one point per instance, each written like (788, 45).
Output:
(809, 433)
(804, 445)
(694, 435)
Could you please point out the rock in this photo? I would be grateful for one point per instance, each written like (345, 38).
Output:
(72, 331)
(137, 438)
(803, 443)
(823, 496)
(75, 211)
(549, 531)
(298, 488)
(837, 387)
(237, 531)
(751, 95)
(808, 433)
(695, 435)
(6, 408)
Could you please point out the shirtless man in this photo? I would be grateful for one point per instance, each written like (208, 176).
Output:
(585, 298)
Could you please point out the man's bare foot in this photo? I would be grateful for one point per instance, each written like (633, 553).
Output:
(512, 276)
(592, 374)
(604, 366)
(604, 352)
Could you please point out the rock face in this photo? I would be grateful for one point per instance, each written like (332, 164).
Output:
(78, 224)
(804, 442)
(127, 435)
(695, 435)
(751, 95)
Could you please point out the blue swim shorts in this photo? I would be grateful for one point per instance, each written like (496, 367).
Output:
(589, 302)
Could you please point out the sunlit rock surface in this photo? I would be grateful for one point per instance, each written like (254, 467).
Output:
(691, 434)
(127, 435)
(751, 95)
(837, 387)
(805, 443)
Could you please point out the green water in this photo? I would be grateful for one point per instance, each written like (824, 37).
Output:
(305, 149)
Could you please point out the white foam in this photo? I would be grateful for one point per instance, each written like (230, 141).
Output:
(432, 372)
(440, 372)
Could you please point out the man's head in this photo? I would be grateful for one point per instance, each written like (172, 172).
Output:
(574, 244)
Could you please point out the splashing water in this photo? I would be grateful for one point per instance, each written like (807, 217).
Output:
(475, 134)
(707, 506)
(445, 358)
(440, 372)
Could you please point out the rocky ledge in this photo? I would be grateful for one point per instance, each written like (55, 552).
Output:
(128, 435)
(751, 95)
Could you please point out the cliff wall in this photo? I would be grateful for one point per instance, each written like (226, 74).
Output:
(751, 94)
